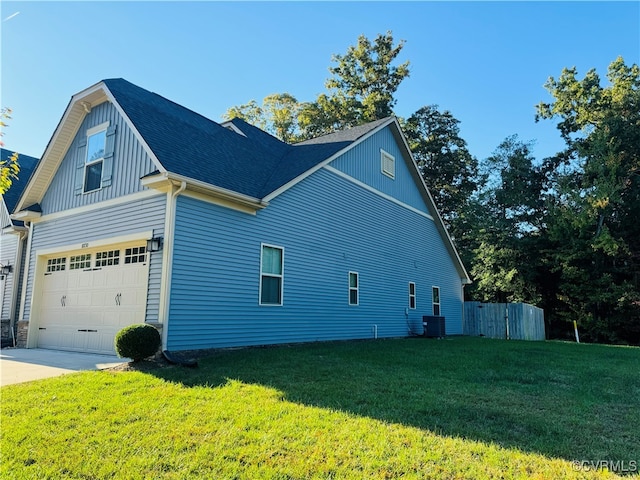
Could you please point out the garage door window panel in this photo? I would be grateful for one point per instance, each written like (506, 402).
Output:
(56, 264)
(135, 255)
(108, 258)
(79, 262)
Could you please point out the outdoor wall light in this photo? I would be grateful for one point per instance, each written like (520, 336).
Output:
(154, 244)
(6, 269)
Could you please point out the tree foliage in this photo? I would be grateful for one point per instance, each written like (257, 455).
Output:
(9, 168)
(361, 89)
(594, 210)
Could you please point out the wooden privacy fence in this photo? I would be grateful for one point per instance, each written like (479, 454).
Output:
(518, 321)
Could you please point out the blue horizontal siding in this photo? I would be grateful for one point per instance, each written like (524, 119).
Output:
(130, 163)
(123, 219)
(327, 226)
(363, 162)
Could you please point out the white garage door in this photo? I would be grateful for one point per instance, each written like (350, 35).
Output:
(88, 296)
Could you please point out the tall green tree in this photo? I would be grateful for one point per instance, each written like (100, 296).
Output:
(448, 169)
(361, 89)
(594, 213)
(505, 265)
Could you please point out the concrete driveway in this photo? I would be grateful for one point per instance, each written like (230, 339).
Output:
(19, 365)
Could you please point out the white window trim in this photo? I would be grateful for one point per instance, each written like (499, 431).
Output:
(356, 288)
(92, 131)
(281, 276)
(434, 303)
(385, 159)
(413, 295)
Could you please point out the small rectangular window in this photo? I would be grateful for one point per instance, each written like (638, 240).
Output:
(412, 295)
(354, 287)
(388, 164)
(436, 301)
(108, 258)
(56, 264)
(78, 262)
(96, 144)
(135, 255)
(271, 275)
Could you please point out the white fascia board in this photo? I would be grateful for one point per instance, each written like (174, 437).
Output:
(320, 165)
(229, 124)
(164, 179)
(63, 136)
(26, 215)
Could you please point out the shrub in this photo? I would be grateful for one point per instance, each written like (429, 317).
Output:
(137, 342)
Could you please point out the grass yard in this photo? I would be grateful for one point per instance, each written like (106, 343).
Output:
(407, 408)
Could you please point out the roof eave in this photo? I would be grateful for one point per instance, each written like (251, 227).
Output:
(164, 180)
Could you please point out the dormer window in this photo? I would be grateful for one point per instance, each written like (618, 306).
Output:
(94, 161)
(96, 143)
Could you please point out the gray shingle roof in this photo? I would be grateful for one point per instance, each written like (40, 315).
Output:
(27, 166)
(189, 144)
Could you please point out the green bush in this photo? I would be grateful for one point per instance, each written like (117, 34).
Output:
(137, 342)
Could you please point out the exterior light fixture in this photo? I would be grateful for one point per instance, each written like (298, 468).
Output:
(6, 269)
(154, 244)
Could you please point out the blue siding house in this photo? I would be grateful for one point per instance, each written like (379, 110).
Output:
(13, 237)
(221, 235)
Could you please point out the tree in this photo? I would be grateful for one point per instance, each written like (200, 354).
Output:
(448, 169)
(278, 115)
(593, 216)
(9, 168)
(506, 264)
(361, 90)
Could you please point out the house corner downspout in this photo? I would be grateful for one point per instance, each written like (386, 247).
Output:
(25, 278)
(167, 258)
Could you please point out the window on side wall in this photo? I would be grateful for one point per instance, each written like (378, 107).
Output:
(436, 301)
(412, 295)
(271, 275)
(96, 145)
(388, 164)
(354, 287)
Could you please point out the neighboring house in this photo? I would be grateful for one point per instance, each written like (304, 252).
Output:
(13, 237)
(221, 235)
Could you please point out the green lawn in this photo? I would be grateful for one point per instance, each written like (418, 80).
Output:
(408, 408)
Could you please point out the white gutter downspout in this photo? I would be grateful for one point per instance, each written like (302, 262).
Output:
(167, 259)
(25, 277)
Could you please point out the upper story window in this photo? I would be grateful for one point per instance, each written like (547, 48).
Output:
(96, 144)
(94, 164)
(388, 164)
(271, 275)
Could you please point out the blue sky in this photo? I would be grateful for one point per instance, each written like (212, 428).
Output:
(485, 62)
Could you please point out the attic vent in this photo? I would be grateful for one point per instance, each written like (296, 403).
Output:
(388, 164)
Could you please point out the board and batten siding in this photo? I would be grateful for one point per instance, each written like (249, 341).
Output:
(99, 224)
(130, 163)
(328, 226)
(363, 162)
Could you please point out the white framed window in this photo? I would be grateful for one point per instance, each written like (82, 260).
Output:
(271, 274)
(436, 300)
(56, 264)
(94, 159)
(354, 288)
(78, 262)
(412, 295)
(387, 164)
